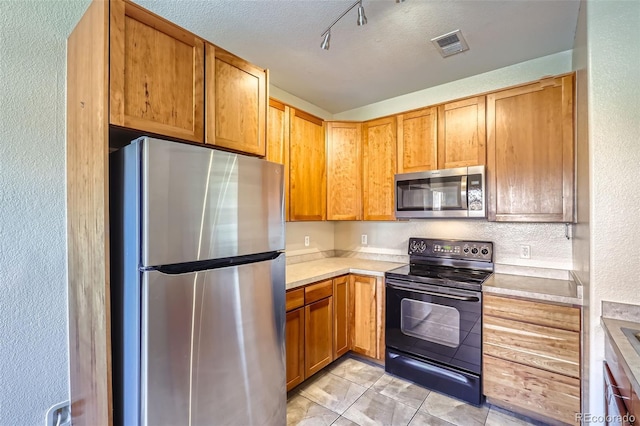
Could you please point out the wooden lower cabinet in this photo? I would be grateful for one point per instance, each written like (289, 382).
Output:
(295, 347)
(362, 315)
(318, 336)
(340, 316)
(531, 357)
(615, 410)
(327, 319)
(621, 401)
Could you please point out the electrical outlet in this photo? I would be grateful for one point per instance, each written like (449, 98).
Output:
(525, 251)
(306, 241)
(363, 239)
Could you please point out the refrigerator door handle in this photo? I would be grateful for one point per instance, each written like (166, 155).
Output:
(204, 265)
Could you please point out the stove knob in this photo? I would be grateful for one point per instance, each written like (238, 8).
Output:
(422, 247)
(474, 251)
(466, 249)
(413, 246)
(484, 251)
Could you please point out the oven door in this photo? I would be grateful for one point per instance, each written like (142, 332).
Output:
(435, 323)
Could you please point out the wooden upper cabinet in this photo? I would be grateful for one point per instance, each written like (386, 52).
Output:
(277, 132)
(307, 172)
(278, 143)
(236, 102)
(156, 74)
(461, 133)
(530, 152)
(379, 168)
(344, 171)
(417, 140)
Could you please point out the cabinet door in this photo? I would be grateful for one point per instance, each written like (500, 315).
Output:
(417, 140)
(307, 172)
(530, 152)
(295, 347)
(379, 168)
(381, 316)
(362, 315)
(236, 103)
(318, 343)
(461, 133)
(278, 143)
(156, 74)
(340, 316)
(344, 174)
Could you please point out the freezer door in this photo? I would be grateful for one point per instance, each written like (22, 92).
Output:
(213, 346)
(199, 203)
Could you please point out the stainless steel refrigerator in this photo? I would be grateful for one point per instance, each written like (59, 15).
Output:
(197, 286)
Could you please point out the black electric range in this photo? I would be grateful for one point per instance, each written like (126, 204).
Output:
(433, 325)
(449, 263)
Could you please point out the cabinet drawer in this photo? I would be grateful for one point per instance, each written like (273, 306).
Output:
(614, 402)
(621, 381)
(549, 394)
(542, 347)
(318, 291)
(294, 299)
(564, 317)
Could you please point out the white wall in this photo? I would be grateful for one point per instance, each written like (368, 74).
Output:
(550, 249)
(33, 285)
(523, 72)
(613, 31)
(294, 101)
(321, 237)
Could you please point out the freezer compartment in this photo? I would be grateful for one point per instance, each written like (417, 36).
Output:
(193, 203)
(211, 350)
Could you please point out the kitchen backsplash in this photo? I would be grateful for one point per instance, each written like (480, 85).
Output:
(549, 249)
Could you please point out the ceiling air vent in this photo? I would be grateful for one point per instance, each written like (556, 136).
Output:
(450, 43)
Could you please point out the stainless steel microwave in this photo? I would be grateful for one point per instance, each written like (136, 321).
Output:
(459, 192)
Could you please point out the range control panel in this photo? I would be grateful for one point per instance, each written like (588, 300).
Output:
(470, 250)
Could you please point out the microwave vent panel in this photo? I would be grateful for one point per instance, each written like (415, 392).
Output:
(450, 43)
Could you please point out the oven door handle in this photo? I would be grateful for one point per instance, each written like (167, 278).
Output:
(431, 293)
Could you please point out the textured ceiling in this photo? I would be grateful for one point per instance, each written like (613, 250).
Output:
(390, 56)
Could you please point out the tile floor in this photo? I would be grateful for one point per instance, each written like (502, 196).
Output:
(352, 392)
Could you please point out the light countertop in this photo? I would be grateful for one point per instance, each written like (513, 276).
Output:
(303, 273)
(543, 289)
(621, 344)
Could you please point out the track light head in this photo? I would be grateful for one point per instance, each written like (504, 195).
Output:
(362, 19)
(326, 40)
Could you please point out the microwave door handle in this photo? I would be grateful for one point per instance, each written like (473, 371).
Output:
(431, 293)
(463, 193)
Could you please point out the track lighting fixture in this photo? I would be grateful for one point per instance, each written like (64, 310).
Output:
(362, 20)
(326, 40)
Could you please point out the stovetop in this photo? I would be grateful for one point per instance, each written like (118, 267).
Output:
(451, 263)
